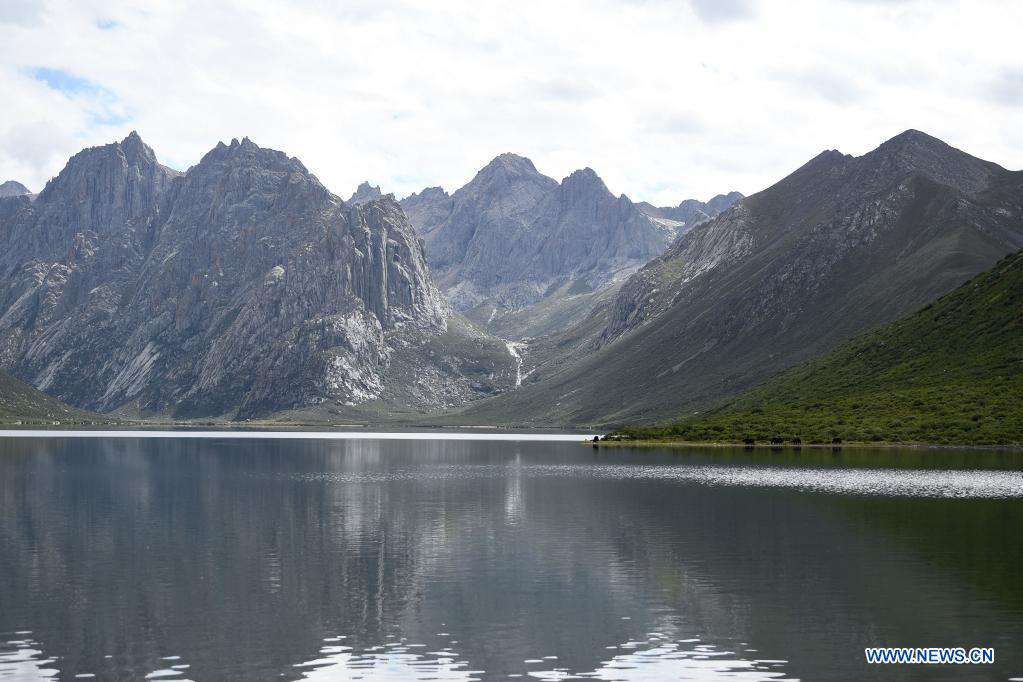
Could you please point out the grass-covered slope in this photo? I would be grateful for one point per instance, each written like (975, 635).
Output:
(20, 403)
(950, 373)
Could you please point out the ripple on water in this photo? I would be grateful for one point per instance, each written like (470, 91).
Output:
(637, 660)
(933, 483)
(672, 661)
(23, 658)
(391, 661)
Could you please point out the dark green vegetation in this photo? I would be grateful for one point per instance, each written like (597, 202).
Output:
(951, 373)
(22, 404)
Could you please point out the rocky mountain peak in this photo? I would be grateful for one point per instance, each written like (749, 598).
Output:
(511, 162)
(131, 151)
(13, 188)
(584, 180)
(133, 145)
(722, 202)
(508, 169)
(104, 188)
(913, 151)
(429, 193)
(364, 193)
(913, 137)
(247, 155)
(240, 148)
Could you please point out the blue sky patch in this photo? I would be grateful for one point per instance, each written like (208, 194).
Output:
(63, 81)
(104, 107)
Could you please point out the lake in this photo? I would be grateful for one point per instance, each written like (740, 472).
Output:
(213, 557)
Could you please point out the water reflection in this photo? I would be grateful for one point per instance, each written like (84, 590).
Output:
(213, 559)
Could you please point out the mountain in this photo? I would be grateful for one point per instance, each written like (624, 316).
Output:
(950, 373)
(240, 288)
(840, 246)
(365, 193)
(513, 239)
(13, 188)
(22, 404)
(690, 212)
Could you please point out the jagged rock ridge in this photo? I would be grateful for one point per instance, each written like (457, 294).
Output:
(240, 288)
(365, 193)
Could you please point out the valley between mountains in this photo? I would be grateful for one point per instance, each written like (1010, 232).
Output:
(243, 289)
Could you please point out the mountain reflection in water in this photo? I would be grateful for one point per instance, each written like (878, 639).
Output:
(215, 558)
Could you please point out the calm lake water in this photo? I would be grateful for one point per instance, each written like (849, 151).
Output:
(221, 558)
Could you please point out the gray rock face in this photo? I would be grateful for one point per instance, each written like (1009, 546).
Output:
(512, 235)
(240, 288)
(68, 260)
(13, 188)
(840, 246)
(365, 193)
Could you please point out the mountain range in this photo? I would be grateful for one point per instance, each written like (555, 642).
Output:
(841, 245)
(240, 288)
(243, 288)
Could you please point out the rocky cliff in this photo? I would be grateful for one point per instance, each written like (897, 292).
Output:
(240, 288)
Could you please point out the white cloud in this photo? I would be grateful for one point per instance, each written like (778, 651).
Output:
(666, 100)
(714, 11)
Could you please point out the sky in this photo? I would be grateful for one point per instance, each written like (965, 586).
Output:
(665, 99)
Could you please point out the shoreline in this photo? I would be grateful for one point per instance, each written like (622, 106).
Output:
(321, 430)
(561, 437)
(647, 443)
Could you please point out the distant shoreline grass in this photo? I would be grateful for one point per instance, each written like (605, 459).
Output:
(886, 445)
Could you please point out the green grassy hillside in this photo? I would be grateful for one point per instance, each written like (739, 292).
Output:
(951, 373)
(20, 403)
